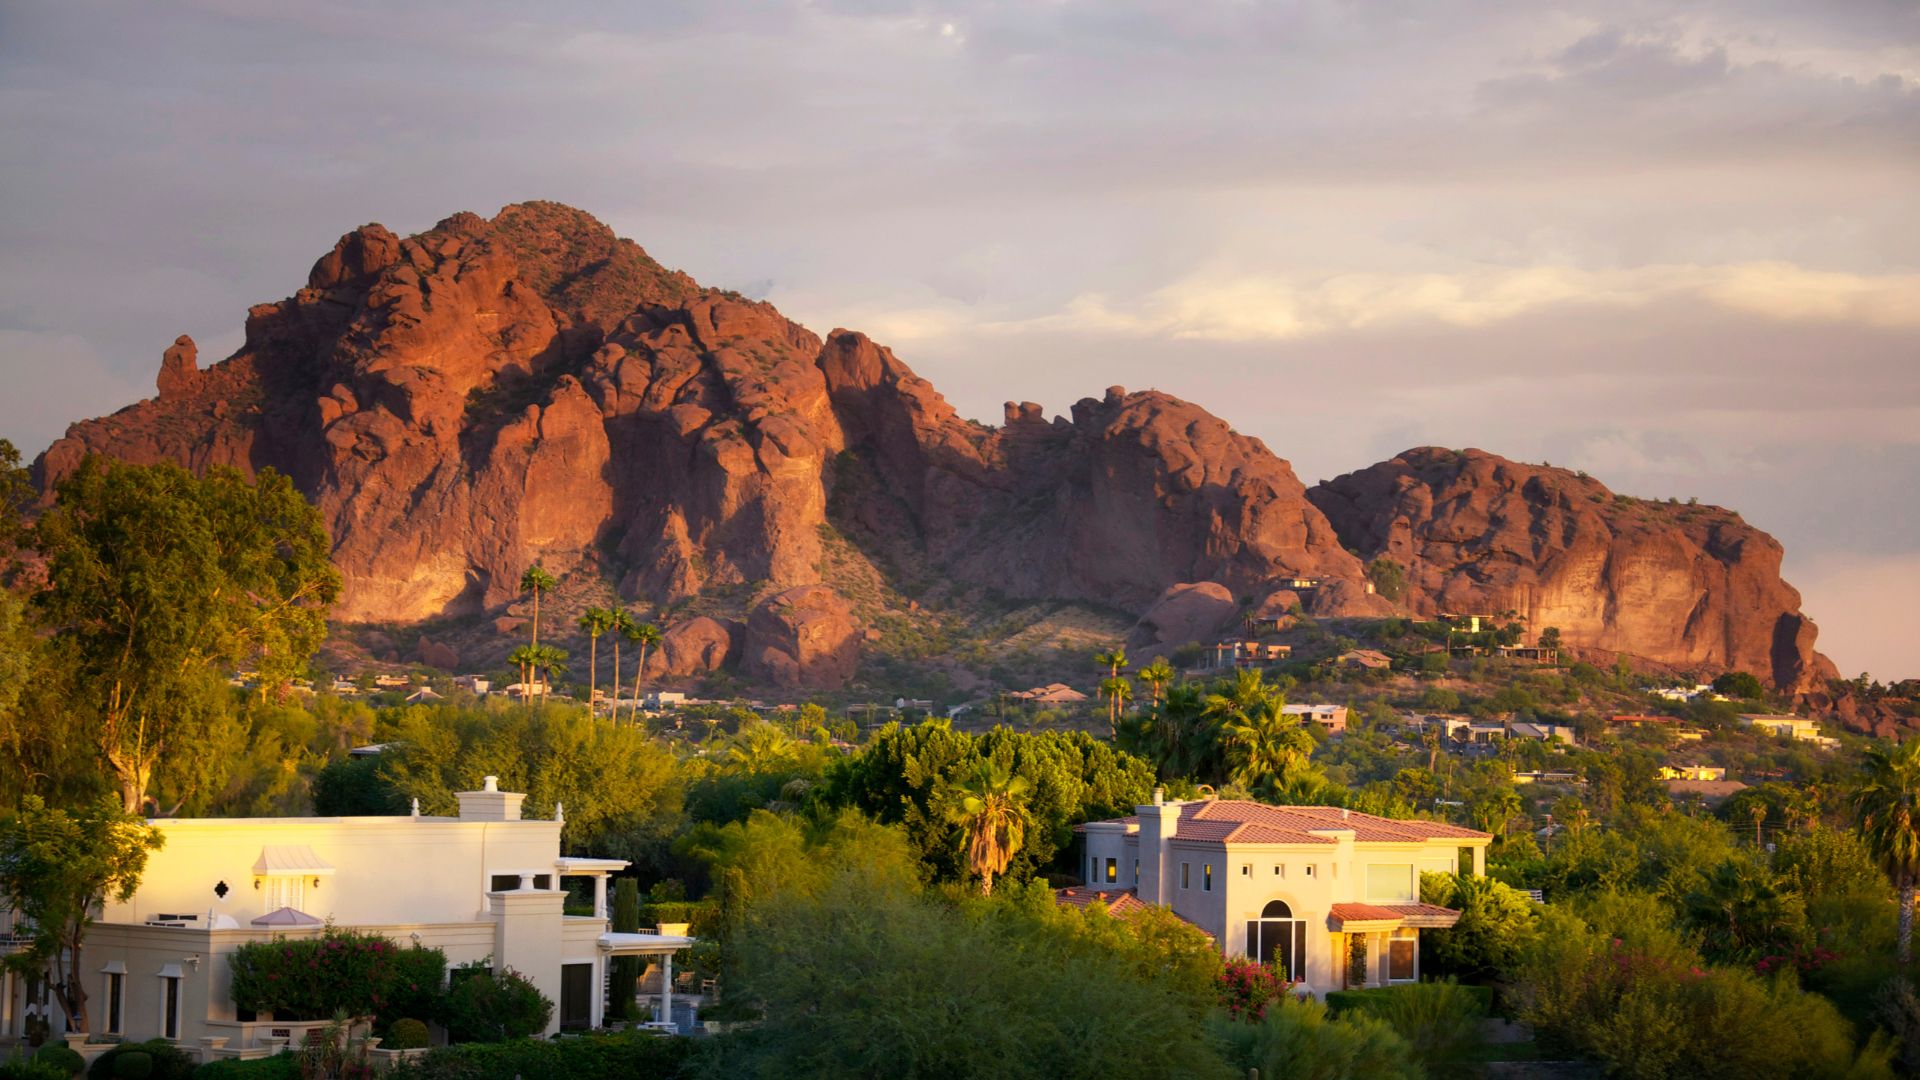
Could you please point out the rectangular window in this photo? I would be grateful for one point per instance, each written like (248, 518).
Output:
(1113, 871)
(1186, 881)
(1400, 958)
(1391, 884)
(170, 1007)
(504, 883)
(116, 986)
(1276, 871)
(1309, 869)
(1136, 871)
(1246, 869)
(1206, 877)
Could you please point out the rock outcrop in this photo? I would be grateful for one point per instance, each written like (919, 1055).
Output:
(1198, 611)
(804, 638)
(1684, 585)
(490, 393)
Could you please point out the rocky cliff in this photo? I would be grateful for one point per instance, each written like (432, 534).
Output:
(489, 394)
(1686, 585)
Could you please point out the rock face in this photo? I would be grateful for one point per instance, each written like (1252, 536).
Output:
(490, 393)
(1476, 533)
(1191, 612)
(803, 638)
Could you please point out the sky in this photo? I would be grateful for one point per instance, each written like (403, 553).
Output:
(1674, 245)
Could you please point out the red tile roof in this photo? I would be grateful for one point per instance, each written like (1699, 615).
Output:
(1401, 914)
(1120, 903)
(1240, 821)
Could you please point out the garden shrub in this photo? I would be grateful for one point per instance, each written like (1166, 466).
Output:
(1246, 987)
(1645, 1005)
(1440, 1020)
(35, 1069)
(495, 1007)
(137, 1065)
(1299, 1040)
(62, 1057)
(165, 1061)
(281, 1066)
(342, 971)
(405, 1034)
(618, 1056)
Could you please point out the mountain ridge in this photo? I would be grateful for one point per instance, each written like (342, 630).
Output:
(489, 393)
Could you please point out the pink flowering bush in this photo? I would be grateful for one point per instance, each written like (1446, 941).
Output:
(340, 971)
(1247, 987)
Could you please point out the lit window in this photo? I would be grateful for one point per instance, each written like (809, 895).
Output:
(1206, 877)
(1113, 870)
(1136, 871)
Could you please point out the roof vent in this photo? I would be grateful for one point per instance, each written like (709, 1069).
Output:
(1343, 813)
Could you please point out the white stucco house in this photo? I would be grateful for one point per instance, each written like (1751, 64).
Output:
(1296, 886)
(486, 883)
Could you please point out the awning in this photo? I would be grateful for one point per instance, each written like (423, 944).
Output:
(287, 916)
(643, 944)
(1356, 918)
(290, 860)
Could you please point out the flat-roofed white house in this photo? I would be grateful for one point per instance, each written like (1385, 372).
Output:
(1331, 717)
(486, 883)
(1296, 886)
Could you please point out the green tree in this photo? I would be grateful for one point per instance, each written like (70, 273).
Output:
(1114, 661)
(1496, 925)
(1388, 579)
(1740, 685)
(1550, 638)
(626, 969)
(992, 820)
(56, 869)
(1887, 805)
(593, 622)
(158, 581)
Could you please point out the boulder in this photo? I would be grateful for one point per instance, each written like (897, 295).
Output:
(804, 638)
(695, 647)
(1196, 611)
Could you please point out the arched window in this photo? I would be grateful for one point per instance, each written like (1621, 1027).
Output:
(1278, 939)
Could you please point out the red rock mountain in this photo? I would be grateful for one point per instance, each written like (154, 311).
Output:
(1686, 585)
(491, 393)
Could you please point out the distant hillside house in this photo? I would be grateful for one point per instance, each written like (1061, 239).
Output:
(1371, 659)
(1794, 727)
(1295, 886)
(1050, 694)
(484, 885)
(1331, 717)
(1522, 729)
(1691, 772)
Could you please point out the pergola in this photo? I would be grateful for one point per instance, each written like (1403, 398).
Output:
(660, 945)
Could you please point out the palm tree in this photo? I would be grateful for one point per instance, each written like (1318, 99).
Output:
(593, 622)
(536, 580)
(1885, 803)
(645, 635)
(992, 820)
(759, 747)
(525, 657)
(1175, 733)
(618, 625)
(1118, 691)
(1156, 675)
(1430, 738)
(549, 662)
(1265, 746)
(1113, 660)
(1758, 812)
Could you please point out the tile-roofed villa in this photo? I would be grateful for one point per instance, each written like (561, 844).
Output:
(1303, 887)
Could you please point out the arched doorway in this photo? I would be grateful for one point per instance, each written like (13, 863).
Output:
(1279, 939)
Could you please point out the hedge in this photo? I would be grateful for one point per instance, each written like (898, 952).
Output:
(1369, 1000)
(31, 1069)
(282, 1066)
(624, 1055)
(164, 1061)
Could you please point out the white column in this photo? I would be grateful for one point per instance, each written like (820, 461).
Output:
(666, 988)
(600, 896)
(597, 1012)
(526, 881)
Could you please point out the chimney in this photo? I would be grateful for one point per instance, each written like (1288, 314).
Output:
(1158, 822)
(490, 803)
(1159, 796)
(1343, 813)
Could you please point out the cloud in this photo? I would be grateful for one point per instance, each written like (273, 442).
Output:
(1872, 599)
(1230, 307)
